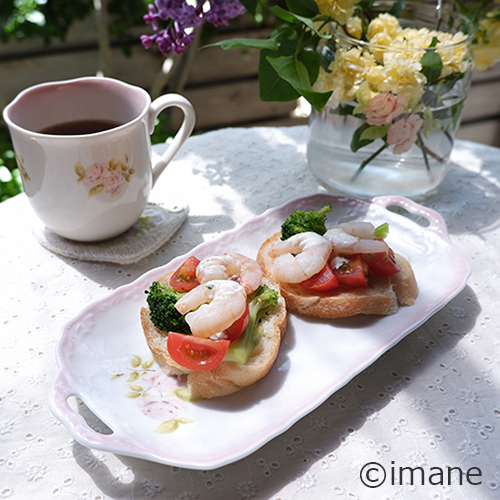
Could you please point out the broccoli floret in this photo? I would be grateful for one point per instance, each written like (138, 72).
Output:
(161, 301)
(301, 222)
(261, 302)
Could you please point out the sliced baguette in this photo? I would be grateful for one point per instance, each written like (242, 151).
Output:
(382, 297)
(229, 376)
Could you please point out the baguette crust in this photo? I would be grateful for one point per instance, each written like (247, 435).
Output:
(382, 297)
(228, 376)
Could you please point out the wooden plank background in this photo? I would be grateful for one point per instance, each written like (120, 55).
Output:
(222, 85)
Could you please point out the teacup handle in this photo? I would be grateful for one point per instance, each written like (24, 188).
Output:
(158, 105)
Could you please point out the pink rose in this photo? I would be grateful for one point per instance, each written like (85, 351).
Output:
(112, 182)
(383, 108)
(403, 133)
(94, 174)
(159, 409)
(159, 381)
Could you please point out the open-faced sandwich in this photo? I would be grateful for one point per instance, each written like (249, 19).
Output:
(337, 272)
(218, 321)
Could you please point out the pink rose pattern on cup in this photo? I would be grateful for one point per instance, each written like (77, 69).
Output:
(158, 396)
(104, 177)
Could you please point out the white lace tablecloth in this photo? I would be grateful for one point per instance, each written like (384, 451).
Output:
(432, 401)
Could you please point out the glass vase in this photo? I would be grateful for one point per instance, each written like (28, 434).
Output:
(396, 104)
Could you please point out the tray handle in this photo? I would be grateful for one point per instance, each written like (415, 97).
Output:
(434, 220)
(77, 426)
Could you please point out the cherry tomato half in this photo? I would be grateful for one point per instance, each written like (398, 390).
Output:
(381, 262)
(238, 327)
(323, 281)
(196, 353)
(353, 273)
(184, 279)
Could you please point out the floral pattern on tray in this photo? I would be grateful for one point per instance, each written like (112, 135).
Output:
(158, 396)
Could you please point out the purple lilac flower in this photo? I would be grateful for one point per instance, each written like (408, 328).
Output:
(222, 10)
(181, 18)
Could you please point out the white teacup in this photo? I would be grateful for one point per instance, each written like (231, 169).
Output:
(86, 182)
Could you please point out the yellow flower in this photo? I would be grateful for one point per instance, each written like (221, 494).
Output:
(364, 94)
(419, 38)
(454, 53)
(405, 42)
(391, 60)
(380, 41)
(346, 73)
(486, 52)
(375, 77)
(485, 56)
(384, 23)
(354, 27)
(340, 10)
(402, 77)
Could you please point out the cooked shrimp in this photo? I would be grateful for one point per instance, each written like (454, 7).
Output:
(300, 257)
(345, 242)
(235, 266)
(362, 230)
(214, 305)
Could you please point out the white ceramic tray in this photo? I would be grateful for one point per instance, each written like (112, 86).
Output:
(104, 359)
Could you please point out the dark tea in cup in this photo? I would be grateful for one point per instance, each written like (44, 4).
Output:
(80, 127)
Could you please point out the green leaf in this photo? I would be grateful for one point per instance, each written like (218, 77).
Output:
(114, 377)
(432, 63)
(427, 114)
(306, 8)
(397, 8)
(296, 73)
(285, 75)
(374, 132)
(356, 141)
(167, 427)
(185, 420)
(136, 361)
(133, 376)
(148, 364)
(136, 388)
(291, 70)
(447, 83)
(312, 61)
(434, 42)
(317, 100)
(95, 190)
(292, 18)
(272, 86)
(283, 14)
(359, 110)
(133, 395)
(184, 394)
(250, 43)
(343, 110)
(381, 231)
(80, 171)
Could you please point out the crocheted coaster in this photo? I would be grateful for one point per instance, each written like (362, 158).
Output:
(154, 228)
